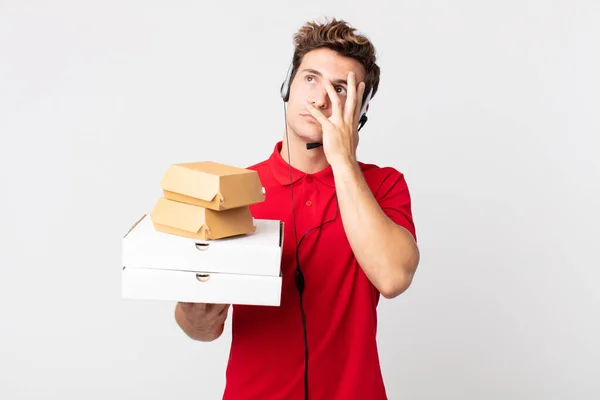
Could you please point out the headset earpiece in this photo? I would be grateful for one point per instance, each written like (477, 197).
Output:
(362, 121)
(285, 86)
(363, 111)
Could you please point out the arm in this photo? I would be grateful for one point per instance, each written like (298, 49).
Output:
(202, 322)
(386, 251)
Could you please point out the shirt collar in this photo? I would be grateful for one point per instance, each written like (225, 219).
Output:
(281, 170)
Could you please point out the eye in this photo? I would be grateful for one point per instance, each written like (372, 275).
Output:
(309, 78)
(340, 90)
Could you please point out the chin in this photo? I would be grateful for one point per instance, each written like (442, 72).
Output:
(308, 132)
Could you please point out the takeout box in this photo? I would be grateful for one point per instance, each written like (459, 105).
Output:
(201, 223)
(244, 269)
(194, 287)
(212, 185)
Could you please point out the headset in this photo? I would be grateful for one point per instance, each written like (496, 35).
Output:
(299, 276)
(285, 95)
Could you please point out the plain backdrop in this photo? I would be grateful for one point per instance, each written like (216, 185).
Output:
(490, 109)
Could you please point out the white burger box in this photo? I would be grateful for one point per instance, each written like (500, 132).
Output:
(242, 269)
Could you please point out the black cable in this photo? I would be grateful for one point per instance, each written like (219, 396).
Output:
(299, 276)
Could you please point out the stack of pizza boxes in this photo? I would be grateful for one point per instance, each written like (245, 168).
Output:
(200, 242)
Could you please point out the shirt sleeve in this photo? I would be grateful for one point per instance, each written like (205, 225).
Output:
(394, 199)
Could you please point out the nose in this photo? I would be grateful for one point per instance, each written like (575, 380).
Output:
(320, 97)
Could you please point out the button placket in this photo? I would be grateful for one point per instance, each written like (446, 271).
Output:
(309, 180)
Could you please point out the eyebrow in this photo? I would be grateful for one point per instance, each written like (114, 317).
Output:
(315, 72)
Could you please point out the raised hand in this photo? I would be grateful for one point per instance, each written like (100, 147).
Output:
(340, 131)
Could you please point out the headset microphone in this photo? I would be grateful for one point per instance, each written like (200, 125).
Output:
(361, 123)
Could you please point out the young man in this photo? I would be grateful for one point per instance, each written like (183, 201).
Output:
(357, 239)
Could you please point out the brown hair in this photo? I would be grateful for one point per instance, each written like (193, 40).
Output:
(339, 36)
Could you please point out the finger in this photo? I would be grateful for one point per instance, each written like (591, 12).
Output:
(359, 102)
(224, 310)
(217, 309)
(185, 307)
(319, 116)
(211, 309)
(350, 98)
(336, 102)
(192, 308)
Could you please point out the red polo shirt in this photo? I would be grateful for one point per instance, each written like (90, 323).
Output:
(266, 360)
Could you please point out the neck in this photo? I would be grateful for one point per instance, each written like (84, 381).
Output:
(307, 161)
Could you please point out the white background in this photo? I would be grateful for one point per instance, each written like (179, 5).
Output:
(489, 108)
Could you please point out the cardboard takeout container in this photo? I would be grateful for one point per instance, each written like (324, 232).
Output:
(256, 253)
(245, 269)
(200, 223)
(195, 287)
(200, 242)
(212, 185)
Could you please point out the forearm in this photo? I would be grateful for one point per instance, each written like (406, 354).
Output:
(386, 251)
(202, 335)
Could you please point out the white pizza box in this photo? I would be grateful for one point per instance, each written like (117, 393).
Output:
(256, 253)
(195, 287)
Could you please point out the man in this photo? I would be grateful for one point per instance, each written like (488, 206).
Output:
(357, 239)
